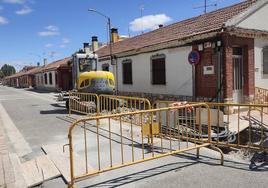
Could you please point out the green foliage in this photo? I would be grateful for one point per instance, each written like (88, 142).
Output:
(8, 70)
(1, 74)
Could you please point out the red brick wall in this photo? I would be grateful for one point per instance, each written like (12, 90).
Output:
(206, 85)
(248, 63)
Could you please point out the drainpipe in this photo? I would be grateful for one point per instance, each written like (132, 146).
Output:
(219, 72)
(116, 76)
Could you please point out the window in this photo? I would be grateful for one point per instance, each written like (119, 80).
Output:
(82, 84)
(45, 78)
(158, 69)
(127, 71)
(87, 82)
(50, 78)
(265, 60)
(237, 51)
(105, 67)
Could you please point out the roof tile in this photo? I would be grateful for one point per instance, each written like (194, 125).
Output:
(212, 21)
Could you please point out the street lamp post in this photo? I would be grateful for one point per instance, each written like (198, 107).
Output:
(110, 39)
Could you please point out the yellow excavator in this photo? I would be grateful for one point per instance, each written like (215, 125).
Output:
(86, 78)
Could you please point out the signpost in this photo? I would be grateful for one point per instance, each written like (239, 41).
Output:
(194, 59)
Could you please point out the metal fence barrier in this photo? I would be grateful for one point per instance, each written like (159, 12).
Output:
(119, 104)
(108, 143)
(93, 104)
(261, 97)
(83, 103)
(234, 125)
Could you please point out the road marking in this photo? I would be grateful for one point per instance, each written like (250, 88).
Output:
(20, 145)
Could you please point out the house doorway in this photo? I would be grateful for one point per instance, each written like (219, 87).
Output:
(238, 83)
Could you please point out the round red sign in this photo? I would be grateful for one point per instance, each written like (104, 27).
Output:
(194, 57)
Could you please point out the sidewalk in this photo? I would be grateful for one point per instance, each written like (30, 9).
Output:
(7, 177)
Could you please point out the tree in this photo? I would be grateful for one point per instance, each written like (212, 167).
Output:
(8, 70)
(1, 74)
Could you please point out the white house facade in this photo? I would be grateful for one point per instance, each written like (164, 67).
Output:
(231, 45)
(139, 76)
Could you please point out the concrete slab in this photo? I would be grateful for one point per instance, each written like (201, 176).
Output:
(19, 179)
(38, 170)
(16, 138)
(62, 161)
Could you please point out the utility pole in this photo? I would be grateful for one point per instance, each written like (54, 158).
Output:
(141, 10)
(206, 5)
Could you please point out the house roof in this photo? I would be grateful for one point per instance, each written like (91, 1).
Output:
(52, 66)
(55, 65)
(213, 21)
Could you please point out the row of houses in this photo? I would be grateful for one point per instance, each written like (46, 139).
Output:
(56, 76)
(229, 49)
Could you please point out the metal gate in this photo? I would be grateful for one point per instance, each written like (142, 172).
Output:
(237, 78)
(108, 143)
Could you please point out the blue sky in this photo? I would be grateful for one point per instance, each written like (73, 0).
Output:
(33, 29)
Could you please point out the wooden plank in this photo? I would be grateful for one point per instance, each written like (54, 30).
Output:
(62, 161)
(38, 170)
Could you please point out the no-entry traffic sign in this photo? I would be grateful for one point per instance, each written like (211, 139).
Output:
(194, 57)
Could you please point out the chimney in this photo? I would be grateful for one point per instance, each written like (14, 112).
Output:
(86, 48)
(95, 44)
(115, 36)
(45, 61)
(161, 25)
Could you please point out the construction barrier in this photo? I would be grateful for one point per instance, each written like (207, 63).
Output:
(120, 104)
(233, 125)
(83, 103)
(93, 104)
(261, 97)
(108, 143)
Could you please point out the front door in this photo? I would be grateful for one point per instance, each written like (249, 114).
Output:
(237, 75)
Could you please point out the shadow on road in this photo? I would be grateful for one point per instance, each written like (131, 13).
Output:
(38, 90)
(123, 180)
(55, 111)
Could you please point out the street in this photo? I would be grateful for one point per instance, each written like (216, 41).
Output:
(30, 119)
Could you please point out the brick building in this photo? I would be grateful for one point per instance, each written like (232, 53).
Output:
(56, 76)
(232, 45)
(22, 78)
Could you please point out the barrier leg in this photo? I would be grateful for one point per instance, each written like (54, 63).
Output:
(220, 151)
(197, 153)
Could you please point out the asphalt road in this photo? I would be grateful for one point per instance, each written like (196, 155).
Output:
(39, 119)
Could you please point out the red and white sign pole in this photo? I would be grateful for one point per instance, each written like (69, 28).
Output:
(193, 59)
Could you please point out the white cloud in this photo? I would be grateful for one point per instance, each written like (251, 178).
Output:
(3, 20)
(14, 1)
(25, 10)
(50, 30)
(149, 22)
(49, 45)
(65, 40)
(62, 46)
(47, 33)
